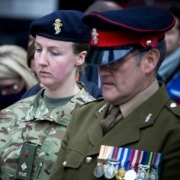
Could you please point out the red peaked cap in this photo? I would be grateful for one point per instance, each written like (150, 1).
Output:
(116, 33)
(143, 26)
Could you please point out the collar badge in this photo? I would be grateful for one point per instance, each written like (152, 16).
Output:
(95, 35)
(148, 117)
(102, 108)
(57, 25)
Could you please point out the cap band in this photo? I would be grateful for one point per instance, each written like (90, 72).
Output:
(124, 38)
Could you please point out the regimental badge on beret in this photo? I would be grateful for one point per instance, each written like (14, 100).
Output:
(57, 25)
(62, 25)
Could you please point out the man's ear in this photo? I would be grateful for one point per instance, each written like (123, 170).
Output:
(81, 58)
(151, 60)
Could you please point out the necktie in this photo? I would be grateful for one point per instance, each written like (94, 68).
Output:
(112, 118)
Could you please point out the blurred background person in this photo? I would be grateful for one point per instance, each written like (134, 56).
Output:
(15, 76)
(169, 71)
(103, 5)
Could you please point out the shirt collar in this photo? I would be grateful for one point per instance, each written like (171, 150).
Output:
(140, 98)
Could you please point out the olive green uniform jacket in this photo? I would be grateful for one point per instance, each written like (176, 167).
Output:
(161, 133)
(30, 136)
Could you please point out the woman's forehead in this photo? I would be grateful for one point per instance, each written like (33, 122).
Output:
(43, 41)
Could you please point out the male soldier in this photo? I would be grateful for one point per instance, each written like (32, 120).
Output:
(134, 132)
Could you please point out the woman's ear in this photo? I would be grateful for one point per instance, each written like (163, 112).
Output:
(151, 60)
(81, 58)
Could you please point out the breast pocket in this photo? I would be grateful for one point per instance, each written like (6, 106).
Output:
(78, 166)
(73, 159)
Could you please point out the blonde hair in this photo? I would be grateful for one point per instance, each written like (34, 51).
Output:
(13, 64)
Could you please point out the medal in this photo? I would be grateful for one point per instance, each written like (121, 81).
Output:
(142, 172)
(134, 160)
(154, 170)
(153, 175)
(104, 155)
(130, 175)
(120, 174)
(123, 157)
(127, 164)
(99, 171)
(109, 171)
(144, 165)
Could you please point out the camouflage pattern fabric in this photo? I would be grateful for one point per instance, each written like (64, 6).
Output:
(29, 120)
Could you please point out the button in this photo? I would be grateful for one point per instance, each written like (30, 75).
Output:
(148, 43)
(40, 164)
(64, 163)
(88, 160)
(173, 105)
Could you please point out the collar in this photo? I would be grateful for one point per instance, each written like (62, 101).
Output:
(140, 98)
(61, 115)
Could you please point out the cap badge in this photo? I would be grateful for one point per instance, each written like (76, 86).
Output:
(57, 25)
(95, 35)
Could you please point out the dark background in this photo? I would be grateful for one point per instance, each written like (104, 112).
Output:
(14, 30)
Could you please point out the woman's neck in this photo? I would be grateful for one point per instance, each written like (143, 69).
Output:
(65, 90)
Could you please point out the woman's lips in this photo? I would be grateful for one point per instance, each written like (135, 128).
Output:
(44, 73)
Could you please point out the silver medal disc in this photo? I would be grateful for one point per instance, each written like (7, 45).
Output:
(98, 171)
(109, 171)
(130, 175)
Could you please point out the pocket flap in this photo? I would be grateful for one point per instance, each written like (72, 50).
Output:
(73, 159)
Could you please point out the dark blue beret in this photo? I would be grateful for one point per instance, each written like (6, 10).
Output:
(65, 25)
(115, 33)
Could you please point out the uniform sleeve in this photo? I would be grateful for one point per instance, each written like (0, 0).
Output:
(59, 172)
(171, 153)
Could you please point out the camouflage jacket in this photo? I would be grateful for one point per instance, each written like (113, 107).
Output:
(30, 136)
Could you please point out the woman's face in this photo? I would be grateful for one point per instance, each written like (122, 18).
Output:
(55, 62)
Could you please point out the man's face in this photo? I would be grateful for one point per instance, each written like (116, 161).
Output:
(122, 80)
(172, 38)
